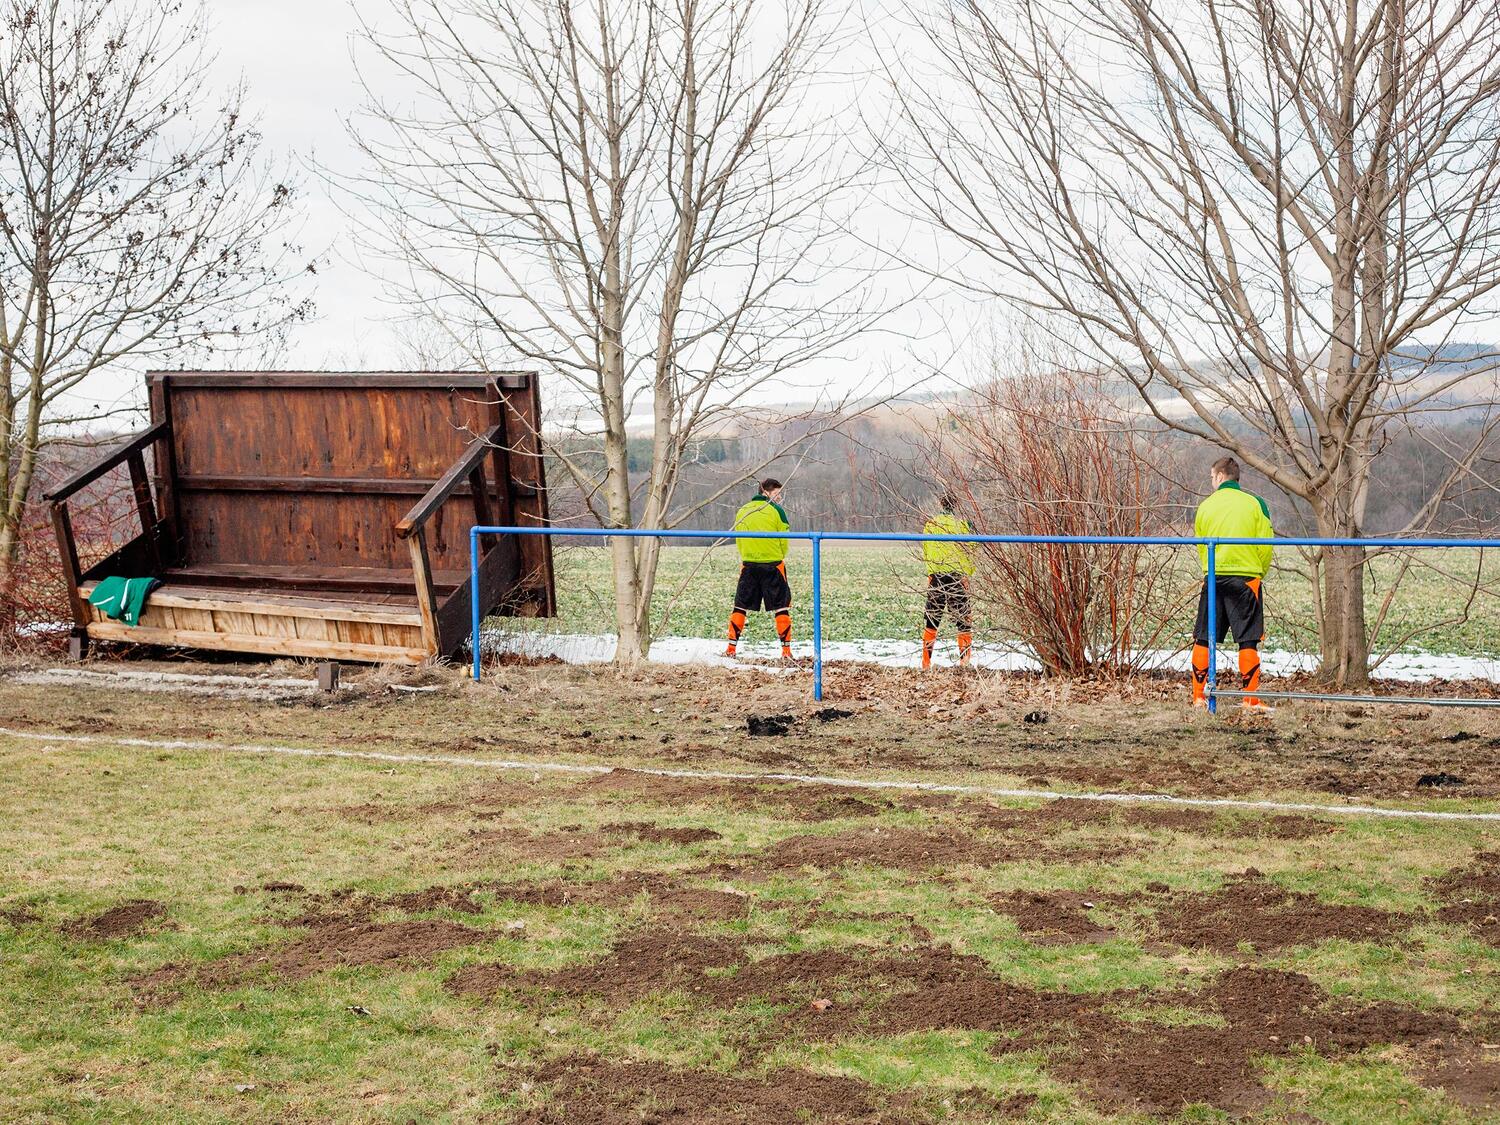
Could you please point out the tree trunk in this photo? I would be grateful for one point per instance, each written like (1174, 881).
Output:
(1343, 639)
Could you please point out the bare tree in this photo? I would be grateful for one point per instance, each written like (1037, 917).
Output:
(135, 221)
(1272, 219)
(637, 197)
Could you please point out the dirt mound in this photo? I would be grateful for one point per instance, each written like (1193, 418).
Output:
(1466, 1076)
(1471, 896)
(1074, 812)
(656, 834)
(1477, 879)
(1055, 917)
(117, 922)
(558, 846)
(665, 896)
(804, 802)
(460, 899)
(907, 848)
(586, 1090)
(917, 849)
(1108, 1043)
(1251, 909)
(1143, 1066)
(659, 961)
(328, 946)
(19, 915)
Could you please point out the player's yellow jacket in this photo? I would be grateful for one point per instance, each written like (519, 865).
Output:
(1232, 513)
(947, 558)
(761, 514)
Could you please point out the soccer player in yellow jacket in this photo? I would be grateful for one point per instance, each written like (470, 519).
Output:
(763, 583)
(949, 567)
(1230, 512)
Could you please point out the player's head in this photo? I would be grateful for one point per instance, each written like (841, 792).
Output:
(945, 502)
(1225, 469)
(770, 488)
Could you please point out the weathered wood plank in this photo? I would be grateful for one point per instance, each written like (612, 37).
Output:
(269, 646)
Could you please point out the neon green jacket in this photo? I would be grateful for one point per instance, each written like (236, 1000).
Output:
(947, 558)
(761, 514)
(1231, 513)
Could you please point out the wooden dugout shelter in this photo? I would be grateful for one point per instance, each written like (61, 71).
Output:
(323, 515)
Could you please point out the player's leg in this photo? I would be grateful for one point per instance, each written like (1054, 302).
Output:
(744, 595)
(1245, 609)
(963, 617)
(779, 593)
(1200, 649)
(932, 617)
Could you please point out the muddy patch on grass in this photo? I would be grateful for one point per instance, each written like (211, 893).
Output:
(1107, 1043)
(1055, 917)
(661, 895)
(798, 802)
(124, 920)
(1144, 1066)
(906, 848)
(914, 849)
(577, 842)
(1073, 813)
(656, 834)
(586, 1090)
(1471, 896)
(1467, 1076)
(558, 846)
(460, 899)
(1250, 909)
(330, 945)
(19, 916)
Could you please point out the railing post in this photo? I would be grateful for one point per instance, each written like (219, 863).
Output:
(817, 579)
(474, 593)
(1211, 592)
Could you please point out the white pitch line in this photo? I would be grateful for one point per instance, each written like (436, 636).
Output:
(725, 775)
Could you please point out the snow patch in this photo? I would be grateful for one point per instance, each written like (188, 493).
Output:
(578, 648)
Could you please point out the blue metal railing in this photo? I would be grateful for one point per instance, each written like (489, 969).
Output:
(818, 538)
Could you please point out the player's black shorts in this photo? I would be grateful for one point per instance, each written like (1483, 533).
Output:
(946, 593)
(763, 585)
(1241, 611)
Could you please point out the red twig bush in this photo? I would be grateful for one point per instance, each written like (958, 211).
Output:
(1048, 453)
(34, 612)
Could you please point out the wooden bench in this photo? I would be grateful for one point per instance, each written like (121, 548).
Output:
(323, 515)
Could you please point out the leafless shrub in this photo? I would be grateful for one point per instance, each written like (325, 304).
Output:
(1046, 452)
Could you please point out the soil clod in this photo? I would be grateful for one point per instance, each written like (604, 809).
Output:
(1251, 910)
(763, 726)
(119, 921)
(1440, 780)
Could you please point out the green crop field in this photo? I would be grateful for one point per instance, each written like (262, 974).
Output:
(874, 592)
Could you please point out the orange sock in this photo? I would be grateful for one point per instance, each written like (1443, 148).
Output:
(784, 631)
(1250, 672)
(965, 646)
(736, 627)
(1200, 672)
(929, 638)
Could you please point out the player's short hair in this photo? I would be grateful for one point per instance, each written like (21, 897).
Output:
(945, 502)
(769, 483)
(1228, 468)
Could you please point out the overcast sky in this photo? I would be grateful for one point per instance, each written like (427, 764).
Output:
(294, 56)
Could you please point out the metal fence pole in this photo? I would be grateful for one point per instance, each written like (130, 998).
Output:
(1211, 592)
(474, 593)
(817, 575)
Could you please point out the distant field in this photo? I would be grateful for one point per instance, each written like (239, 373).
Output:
(874, 592)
